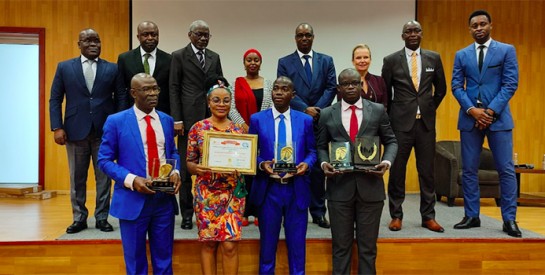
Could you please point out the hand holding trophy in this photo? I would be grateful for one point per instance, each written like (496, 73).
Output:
(161, 176)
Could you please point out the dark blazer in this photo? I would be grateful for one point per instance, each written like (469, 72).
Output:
(375, 123)
(496, 83)
(187, 87)
(262, 124)
(321, 91)
(431, 91)
(122, 152)
(84, 110)
(130, 63)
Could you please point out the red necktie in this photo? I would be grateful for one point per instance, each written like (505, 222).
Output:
(353, 124)
(153, 153)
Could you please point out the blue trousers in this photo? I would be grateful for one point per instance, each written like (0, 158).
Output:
(501, 145)
(280, 204)
(157, 222)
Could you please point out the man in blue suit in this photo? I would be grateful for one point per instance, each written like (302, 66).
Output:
(125, 155)
(93, 91)
(282, 197)
(484, 79)
(313, 76)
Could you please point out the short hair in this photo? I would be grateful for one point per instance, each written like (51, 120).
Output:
(198, 23)
(361, 46)
(477, 13)
(285, 79)
(305, 25)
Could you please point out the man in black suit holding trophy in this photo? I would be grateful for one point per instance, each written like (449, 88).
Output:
(354, 196)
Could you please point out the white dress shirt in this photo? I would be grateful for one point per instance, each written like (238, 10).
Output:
(151, 60)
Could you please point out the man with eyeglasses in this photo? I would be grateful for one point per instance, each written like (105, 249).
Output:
(93, 91)
(132, 140)
(147, 58)
(415, 82)
(313, 75)
(357, 197)
(189, 69)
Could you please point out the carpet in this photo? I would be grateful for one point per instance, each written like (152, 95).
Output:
(412, 229)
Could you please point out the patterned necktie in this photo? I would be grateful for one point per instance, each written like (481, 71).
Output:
(89, 75)
(153, 153)
(146, 63)
(353, 124)
(308, 70)
(481, 56)
(414, 71)
(200, 55)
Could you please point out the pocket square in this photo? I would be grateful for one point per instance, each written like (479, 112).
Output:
(430, 70)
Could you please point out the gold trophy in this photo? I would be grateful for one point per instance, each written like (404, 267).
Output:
(161, 178)
(285, 158)
(367, 153)
(340, 156)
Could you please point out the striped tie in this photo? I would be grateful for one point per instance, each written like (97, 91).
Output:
(414, 71)
(200, 55)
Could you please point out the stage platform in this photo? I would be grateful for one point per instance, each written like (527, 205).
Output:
(32, 241)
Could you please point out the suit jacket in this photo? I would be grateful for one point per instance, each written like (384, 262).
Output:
(321, 91)
(84, 110)
(187, 87)
(122, 152)
(130, 63)
(262, 124)
(431, 90)
(375, 122)
(496, 83)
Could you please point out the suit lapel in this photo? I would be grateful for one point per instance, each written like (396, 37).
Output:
(137, 59)
(101, 70)
(296, 63)
(78, 73)
(132, 123)
(269, 127)
(337, 120)
(489, 56)
(405, 67)
(316, 65)
(164, 124)
(192, 57)
(160, 63)
(365, 118)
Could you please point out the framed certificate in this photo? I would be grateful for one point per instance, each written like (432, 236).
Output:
(227, 152)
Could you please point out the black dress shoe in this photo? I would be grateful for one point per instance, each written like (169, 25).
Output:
(321, 222)
(104, 226)
(187, 224)
(512, 229)
(468, 222)
(76, 227)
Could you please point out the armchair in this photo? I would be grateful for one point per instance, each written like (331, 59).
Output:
(448, 173)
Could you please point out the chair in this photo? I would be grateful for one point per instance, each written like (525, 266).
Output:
(448, 173)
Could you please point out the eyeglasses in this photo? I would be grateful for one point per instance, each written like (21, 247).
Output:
(306, 35)
(202, 34)
(218, 101)
(149, 90)
(347, 85)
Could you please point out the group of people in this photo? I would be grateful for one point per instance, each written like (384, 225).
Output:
(122, 117)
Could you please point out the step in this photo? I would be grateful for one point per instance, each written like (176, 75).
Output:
(19, 189)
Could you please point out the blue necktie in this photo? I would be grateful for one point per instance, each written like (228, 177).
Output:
(281, 134)
(307, 68)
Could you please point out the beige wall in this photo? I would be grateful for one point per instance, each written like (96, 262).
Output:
(445, 30)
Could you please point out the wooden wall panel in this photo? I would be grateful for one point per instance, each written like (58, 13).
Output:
(520, 23)
(63, 20)
(445, 30)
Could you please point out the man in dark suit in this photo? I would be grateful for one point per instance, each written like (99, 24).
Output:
(125, 155)
(484, 79)
(415, 82)
(282, 199)
(147, 58)
(313, 76)
(189, 69)
(354, 197)
(93, 91)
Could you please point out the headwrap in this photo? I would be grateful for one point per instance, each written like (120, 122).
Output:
(252, 51)
(220, 85)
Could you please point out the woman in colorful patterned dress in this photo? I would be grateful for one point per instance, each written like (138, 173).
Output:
(218, 212)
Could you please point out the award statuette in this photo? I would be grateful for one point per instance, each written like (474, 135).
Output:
(340, 156)
(161, 179)
(367, 153)
(285, 158)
